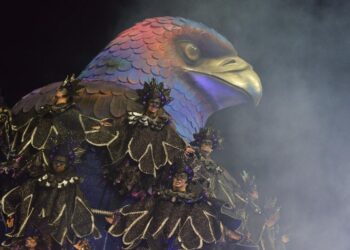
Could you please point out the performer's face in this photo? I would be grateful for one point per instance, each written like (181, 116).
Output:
(180, 182)
(254, 194)
(153, 106)
(206, 147)
(31, 242)
(59, 164)
(61, 97)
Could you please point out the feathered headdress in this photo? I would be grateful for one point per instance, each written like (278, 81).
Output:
(73, 154)
(153, 90)
(207, 134)
(70, 85)
(180, 166)
(249, 184)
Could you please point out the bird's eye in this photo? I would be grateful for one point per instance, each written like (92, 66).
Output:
(191, 51)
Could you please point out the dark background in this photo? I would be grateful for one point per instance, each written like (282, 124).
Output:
(296, 141)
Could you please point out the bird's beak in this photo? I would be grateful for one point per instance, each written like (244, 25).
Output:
(224, 77)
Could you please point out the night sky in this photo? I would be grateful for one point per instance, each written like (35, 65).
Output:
(296, 141)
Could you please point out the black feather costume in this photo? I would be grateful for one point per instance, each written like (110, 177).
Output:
(186, 219)
(147, 142)
(50, 200)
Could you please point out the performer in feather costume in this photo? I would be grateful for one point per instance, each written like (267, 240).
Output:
(175, 217)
